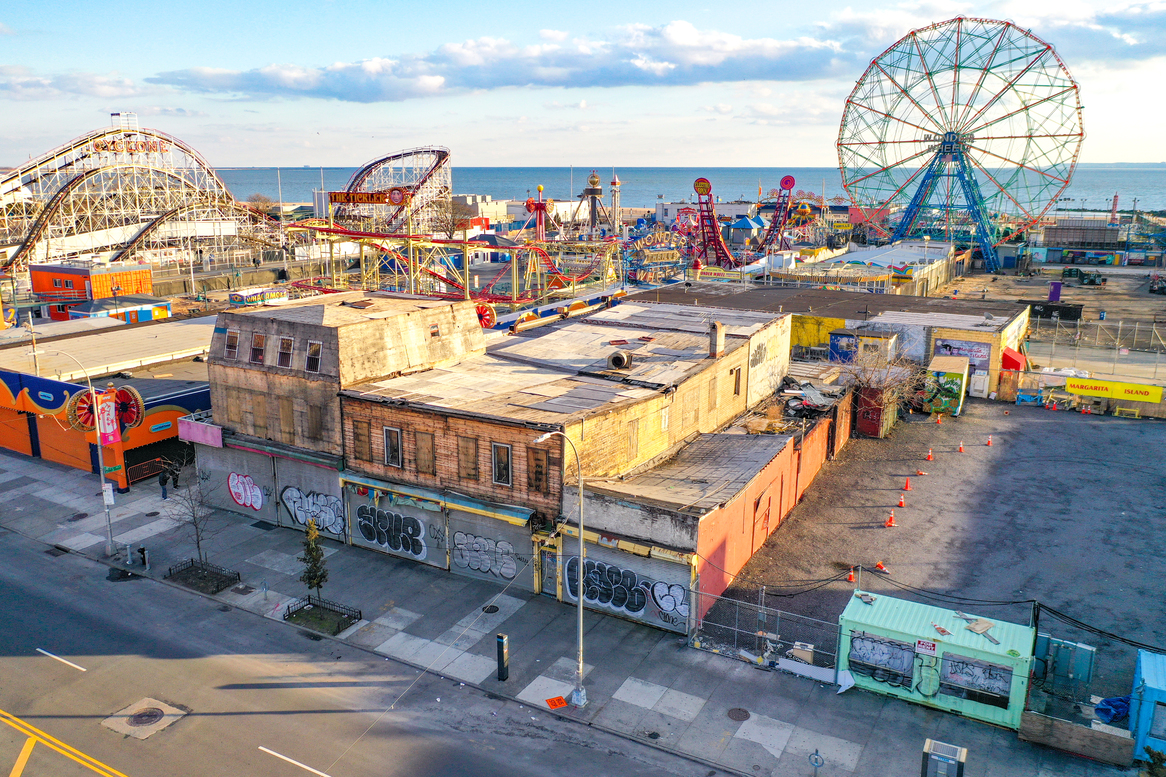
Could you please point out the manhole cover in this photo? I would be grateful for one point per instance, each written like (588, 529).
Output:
(490, 609)
(653, 735)
(54, 552)
(224, 608)
(738, 714)
(147, 717)
(153, 514)
(78, 517)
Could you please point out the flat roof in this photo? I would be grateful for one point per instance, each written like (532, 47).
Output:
(15, 335)
(945, 320)
(905, 252)
(116, 350)
(705, 474)
(338, 309)
(817, 302)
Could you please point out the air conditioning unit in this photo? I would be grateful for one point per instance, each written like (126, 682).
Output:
(943, 760)
(619, 360)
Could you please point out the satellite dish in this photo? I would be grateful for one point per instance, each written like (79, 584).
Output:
(989, 316)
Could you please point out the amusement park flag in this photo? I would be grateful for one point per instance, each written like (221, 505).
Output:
(107, 426)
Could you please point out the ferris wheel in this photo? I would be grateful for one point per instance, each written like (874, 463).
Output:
(960, 131)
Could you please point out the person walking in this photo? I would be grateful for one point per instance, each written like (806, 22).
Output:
(175, 471)
(163, 479)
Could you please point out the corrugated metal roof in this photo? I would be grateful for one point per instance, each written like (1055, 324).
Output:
(946, 320)
(710, 471)
(915, 620)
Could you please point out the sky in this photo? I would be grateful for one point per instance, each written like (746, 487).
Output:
(676, 84)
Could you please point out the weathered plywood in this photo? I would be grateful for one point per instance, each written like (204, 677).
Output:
(1073, 738)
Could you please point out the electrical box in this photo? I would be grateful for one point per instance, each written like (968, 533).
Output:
(943, 760)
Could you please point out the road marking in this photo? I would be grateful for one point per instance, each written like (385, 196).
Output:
(22, 759)
(290, 761)
(55, 744)
(63, 661)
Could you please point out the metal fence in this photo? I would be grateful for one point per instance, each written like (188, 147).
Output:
(304, 602)
(1135, 349)
(763, 635)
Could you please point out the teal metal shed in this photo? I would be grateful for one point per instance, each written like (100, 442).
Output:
(1148, 704)
(929, 655)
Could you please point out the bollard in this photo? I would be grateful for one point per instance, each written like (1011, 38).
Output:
(503, 657)
(145, 557)
(129, 555)
(263, 586)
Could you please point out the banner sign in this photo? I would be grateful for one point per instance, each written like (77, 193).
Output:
(358, 198)
(107, 427)
(1135, 392)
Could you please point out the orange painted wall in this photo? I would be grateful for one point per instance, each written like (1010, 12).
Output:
(62, 444)
(131, 281)
(14, 431)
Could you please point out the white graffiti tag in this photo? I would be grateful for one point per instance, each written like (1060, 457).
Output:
(484, 555)
(244, 491)
(670, 598)
(326, 510)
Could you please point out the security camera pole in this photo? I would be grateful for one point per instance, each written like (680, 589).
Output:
(579, 695)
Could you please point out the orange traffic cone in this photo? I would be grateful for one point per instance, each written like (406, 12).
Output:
(879, 566)
(932, 458)
(920, 472)
(850, 576)
(961, 446)
(902, 501)
(1005, 412)
(907, 485)
(890, 522)
(939, 419)
(989, 441)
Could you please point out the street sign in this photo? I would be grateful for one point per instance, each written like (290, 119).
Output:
(114, 468)
(107, 493)
(557, 703)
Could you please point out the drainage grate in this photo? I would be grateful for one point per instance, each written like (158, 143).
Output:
(153, 514)
(490, 609)
(78, 517)
(263, 525)
(653, 735)
(738, 714)
(54, 552)
(147, 717)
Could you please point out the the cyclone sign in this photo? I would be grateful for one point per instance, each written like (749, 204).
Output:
(244, 491)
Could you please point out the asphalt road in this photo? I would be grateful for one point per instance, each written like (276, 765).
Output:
(247, 683)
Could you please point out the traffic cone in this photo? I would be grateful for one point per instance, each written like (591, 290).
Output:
(1005, 412)
(890, 522)
(932, 458)
(879, 566)
(939, 419)
(902, 501)
(907, 485)
(989, 441)
(850, 576)
(920, 472)
(961, 446)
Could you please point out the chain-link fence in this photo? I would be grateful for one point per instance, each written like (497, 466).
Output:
(760, 634)
(1136, 350)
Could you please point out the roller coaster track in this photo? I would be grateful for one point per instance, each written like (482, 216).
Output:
(368, 170)
(150, 228)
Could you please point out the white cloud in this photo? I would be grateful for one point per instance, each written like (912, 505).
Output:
(18, 83)
(157, 110)
(6, 30)
(721, 108)
(553, 35)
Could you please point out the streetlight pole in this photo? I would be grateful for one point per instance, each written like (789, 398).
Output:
(100, 458)
(579, 695)
(115, 290)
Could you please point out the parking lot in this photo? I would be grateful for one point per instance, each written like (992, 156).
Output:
(1063, 508)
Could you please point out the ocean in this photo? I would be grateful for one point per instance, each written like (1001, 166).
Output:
(1092, 187)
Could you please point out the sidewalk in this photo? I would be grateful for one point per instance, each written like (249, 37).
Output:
(641, 683)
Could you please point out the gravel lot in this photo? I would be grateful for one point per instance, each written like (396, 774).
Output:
(1063, 508)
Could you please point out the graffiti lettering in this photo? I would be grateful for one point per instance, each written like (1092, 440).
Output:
(244, 491)
(484, 555)
(326, 510)
(757, 357)
(607, 585)
(670, 598)
(400, 533)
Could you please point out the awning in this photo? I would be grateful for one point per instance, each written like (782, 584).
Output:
(1012, 360)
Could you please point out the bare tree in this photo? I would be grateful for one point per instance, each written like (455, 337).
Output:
(260, 202)
(885, 380)
(190, 506)
(456, 219)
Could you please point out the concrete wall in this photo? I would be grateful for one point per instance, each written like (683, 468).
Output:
(618, 515)
(769, 355)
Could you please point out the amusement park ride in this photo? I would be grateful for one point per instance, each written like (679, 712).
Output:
(965, 131)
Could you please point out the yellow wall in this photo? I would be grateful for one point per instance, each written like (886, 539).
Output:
(812, 331)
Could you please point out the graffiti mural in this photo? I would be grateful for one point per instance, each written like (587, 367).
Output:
(244, 491)
(482, 554)
(397, 532)
(625, 592)
(326, 510)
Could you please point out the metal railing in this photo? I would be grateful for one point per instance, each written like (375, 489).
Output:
(145, 469)
(762, 635)
(205, 565)
(1136, 336)
(314, 601)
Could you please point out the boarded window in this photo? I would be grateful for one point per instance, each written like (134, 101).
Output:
(426, 458)
(737, 382)
(234, 408)
(633, 438)
(231, 347)
(287, 423)
(361, 441)
(392, 447)
(467, 458)
(312, 363)
(315, 422)
(501, 460)
(258, 342)
(712, 393)
(536, 471)
(285, 351)
(664, 418)
(259, 414)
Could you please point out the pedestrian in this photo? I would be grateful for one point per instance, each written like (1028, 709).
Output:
(163, 479)
(175, 471)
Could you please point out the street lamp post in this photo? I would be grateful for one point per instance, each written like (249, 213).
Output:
(115, 290)
(579, 695)
(97, 431)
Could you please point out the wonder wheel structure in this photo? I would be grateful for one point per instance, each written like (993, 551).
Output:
(958, 131)
(423, 175)
(122, 193)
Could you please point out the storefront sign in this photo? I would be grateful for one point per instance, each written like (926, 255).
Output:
(979, 354)
(358, 198)
(131, 146)
(1136, 392)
